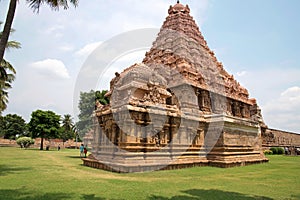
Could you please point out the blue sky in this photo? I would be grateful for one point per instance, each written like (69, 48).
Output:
(257, 41)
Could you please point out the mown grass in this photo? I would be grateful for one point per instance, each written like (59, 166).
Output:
(34, 174)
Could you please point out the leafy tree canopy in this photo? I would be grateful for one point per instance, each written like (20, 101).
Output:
(66, 130)
(12, 126)
(44, 124)
(86, 107)
(7, 74)
(25, 142)
(100, 96)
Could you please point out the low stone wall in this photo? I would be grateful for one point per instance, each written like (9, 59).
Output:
(7, 142)
(278, 138)
(53, 143)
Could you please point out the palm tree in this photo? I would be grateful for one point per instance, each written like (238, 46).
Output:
(76, 134)
(7, 27)
(67, 128)
(35, 5)
(5, 83)
(9, 45)
(67, 122)
(7, 74)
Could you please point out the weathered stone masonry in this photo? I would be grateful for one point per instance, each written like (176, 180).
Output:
(178, 108)
(278, 138)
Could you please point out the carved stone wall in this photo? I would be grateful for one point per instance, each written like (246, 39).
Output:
(278, 138)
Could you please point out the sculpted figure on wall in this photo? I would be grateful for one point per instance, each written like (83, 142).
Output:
(153, 95)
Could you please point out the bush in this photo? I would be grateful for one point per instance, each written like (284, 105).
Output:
(280, 150)
(274, 150)
(277, 150)
(25, 142)
(268, 152)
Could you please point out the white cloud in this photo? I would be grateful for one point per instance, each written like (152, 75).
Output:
(51, 67)
(133, 57)
(66, 48)
(87, 49)
(56, 31)
(291, 92)
(199, 10)
(284, 111)
(242, 73)
(118, 65)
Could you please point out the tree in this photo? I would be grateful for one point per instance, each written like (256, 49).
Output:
(7, 75)
(67, 130)
(100, 96)
(1, 126)
(87, 101)
(25, 142)
(76, 134)
(67, 122)
(7, 27)
(35, 5)
(13, 126)
(6, 78)
(44, 124)
(86, 107)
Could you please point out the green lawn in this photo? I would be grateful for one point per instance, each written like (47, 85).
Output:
(34, 174)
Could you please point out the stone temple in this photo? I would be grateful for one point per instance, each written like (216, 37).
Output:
(178, 108)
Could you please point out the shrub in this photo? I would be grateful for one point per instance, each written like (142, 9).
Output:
(25, 142)
(277, 150)
(268, 152)
(280, 150)
(274, 150)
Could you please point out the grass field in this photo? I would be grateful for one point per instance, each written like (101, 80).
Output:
(34, 174)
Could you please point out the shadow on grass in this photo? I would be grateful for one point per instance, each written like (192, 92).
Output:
(37, 149)
(6, 169)
(91, 197)
(21, 194)
(210, 194)
(297, 196)
(25, 149)
(78, 157)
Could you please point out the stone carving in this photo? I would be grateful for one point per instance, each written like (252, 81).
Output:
(206, 101)
(153, 95)
(256, 115)
(99, 105)
(275, 138)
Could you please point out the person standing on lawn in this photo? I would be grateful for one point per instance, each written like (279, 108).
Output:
(85, 151)
(81, 148)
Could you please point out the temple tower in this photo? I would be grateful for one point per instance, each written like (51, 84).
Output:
(178, 108)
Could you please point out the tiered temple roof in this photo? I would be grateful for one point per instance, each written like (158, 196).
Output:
(181, 46)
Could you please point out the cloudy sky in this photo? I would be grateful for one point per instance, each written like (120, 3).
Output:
(257, 41)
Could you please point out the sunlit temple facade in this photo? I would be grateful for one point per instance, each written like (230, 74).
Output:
(178, 108)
